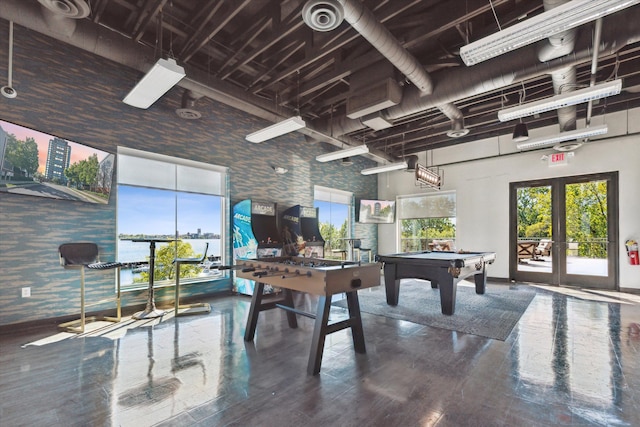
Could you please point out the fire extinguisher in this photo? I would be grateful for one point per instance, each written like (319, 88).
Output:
(632, 252)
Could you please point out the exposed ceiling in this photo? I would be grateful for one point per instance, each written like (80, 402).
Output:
(261, 56)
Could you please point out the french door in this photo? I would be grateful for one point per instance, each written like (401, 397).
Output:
(564, 231)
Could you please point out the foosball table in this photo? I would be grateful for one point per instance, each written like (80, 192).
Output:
(321, 277)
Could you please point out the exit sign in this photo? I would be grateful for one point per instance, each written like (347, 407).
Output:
(557, 159)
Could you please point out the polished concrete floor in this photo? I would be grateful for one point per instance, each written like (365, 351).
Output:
(572, 360)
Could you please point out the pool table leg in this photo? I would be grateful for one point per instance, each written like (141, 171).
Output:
(448, 287)
(391, 284)
(481, 281)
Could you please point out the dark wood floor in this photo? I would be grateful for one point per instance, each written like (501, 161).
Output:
(570, 361)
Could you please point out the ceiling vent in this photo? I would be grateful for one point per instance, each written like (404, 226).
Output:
(187, 110)
(323, 15)
(568, 146)
(457, 129)
(76, 9)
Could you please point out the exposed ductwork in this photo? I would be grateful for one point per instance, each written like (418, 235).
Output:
(319, 13)
(514, 67)
(564, 80)
(449, 86)
(61, 15)
(325, 15)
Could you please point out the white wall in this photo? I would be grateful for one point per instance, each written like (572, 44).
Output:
(482, 187)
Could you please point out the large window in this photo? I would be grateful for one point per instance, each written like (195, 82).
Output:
(334, 216)
(168, 198)
(427, 222)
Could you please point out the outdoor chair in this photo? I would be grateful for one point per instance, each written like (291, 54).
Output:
(544, 248)
(526, 250)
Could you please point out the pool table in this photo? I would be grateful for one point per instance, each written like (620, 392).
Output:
(443, 269)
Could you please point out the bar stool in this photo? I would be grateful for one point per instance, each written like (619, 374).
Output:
(199, 307)
(357, 244)
(78, 256)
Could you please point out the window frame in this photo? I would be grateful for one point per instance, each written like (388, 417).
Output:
(177, 175)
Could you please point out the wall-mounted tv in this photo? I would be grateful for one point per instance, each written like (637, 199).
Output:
(377, 211)
(34, 163)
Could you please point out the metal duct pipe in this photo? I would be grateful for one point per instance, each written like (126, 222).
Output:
(597, 33)
(365, 23)
(564, 80)
(514, 67)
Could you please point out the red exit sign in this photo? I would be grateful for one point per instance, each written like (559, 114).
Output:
(557, 159)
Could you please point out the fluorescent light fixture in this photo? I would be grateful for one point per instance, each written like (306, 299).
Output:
(384, 168)
(563, 100)
(289, 125)
(341, 154)
(428, 176)
(569, 15)
(564, 136)
(164, 75)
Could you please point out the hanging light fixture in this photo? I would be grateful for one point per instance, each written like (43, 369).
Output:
(566, 99)
(429, 177)
(341, 154)
(564, 136)
(520, 132)
(553, 21)
(289, 125)
(385, 168)
(8, 91)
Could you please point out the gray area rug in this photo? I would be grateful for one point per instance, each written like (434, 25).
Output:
(492, 315)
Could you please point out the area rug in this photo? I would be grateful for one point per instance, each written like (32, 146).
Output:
(492, 315)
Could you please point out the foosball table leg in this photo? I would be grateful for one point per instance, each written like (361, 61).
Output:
(254, 311)
(357, 333)
(288, 301)
(320, 330)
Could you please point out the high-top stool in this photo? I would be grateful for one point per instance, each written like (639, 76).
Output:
(357, 244)
(199, 307)
(79, 256)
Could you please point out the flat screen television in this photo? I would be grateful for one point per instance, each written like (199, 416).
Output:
(34, 163)
(377, 211)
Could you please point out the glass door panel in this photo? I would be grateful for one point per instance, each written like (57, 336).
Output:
(586, 228)
(534, 229)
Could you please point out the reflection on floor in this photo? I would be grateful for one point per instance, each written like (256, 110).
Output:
(575, 265)
(571, 360)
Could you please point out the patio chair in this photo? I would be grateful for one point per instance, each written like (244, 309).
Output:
(543, 248)
(526, 250)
